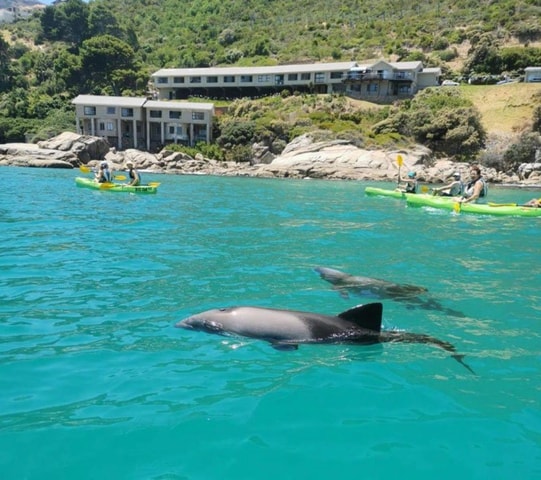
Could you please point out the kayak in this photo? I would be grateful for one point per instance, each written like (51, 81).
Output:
(448, 203)
(386, 193)
(114, 187)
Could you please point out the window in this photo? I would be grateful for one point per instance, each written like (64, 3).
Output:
(175, 115)
(293, 77)
(404, 89)
(335, 75)
(229, 78)
(126, 112)
(319, 77)
(264, 78)
(372, 88)
(195, 79)
(90, 110)
(178, 79)
(101, 126)
(212, 79)
(246, 79)
(198, 116)
(162, 80)
(109, 126)
(111, 110)
(305, 76)
(279, 79)
(155, 114)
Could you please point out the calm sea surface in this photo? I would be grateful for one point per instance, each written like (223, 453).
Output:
(96, 383)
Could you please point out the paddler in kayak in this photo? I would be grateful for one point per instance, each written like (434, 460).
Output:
(103, 175)
(409, 184)
(135, 178)
(452, 189)
(476, 191)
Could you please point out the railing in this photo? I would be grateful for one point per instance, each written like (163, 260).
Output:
(360, 76)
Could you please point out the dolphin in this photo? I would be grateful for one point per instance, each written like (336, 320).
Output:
(382, 289)
(286, 329)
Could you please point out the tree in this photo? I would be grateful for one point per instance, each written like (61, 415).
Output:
(103, 57)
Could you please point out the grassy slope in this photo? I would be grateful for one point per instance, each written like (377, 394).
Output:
(505, 108)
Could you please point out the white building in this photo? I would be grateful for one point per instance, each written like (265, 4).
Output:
(136, 122)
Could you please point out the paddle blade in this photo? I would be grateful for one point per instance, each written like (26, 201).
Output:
(456, 207)
(120, 177)
(106, 185)
(153, 184)
(84, 169)
(424, 189)
(399, 160)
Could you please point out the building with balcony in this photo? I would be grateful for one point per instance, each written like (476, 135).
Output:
(380, 80)
(387, 81)
(136, 122)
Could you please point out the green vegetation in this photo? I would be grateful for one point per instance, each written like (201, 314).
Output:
(74, 47)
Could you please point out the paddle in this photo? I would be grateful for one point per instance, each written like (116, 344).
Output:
(400, 162)
(456, 207)
(153, 184)
(425, 189)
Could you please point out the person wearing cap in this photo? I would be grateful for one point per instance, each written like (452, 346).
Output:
(409, 184)
(135, 178)
(476, 191)
(103, 175)
(452, 189)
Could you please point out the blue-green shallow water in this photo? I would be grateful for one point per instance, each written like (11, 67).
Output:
(97, 383)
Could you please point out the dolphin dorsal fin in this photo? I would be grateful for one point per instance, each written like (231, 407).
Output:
(365, 316)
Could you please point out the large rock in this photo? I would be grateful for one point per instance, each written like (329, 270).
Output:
(85, 147)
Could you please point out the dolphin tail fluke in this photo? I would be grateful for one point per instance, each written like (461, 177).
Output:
(460, 359)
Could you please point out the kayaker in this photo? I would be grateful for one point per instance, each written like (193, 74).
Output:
(476, 191)
(103, 175)
(135, 178)
(452, 189)
(409, 184)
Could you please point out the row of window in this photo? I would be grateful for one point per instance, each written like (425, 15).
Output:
(278, 79)
(172, 129)
(128, 113)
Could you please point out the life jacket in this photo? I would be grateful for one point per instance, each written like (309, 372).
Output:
(132, 176)
(468, 191)
(411, 187)
(456, 189)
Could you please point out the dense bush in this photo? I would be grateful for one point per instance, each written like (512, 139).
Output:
(440, 118)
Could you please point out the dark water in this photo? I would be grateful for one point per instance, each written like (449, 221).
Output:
(97, 383)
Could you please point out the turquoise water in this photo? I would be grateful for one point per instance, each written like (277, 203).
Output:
(97, 383)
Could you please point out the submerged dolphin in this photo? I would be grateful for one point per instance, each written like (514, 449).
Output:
(382, 289)
(286, 329)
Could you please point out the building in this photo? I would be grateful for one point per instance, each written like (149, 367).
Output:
(235, 82)
(532, 74)
(381, 80)
(388, 81)
(136, 122)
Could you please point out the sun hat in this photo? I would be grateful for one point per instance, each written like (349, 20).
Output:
(456, 175)
(411, 174)
(104, 164)
(129, 163)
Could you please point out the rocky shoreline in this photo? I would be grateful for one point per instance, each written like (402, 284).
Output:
(302, 158)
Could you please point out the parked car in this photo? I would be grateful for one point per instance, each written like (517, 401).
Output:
(449, 83)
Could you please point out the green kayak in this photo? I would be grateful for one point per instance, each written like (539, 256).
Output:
(386, 193)
(447, 203)
(114, 187)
